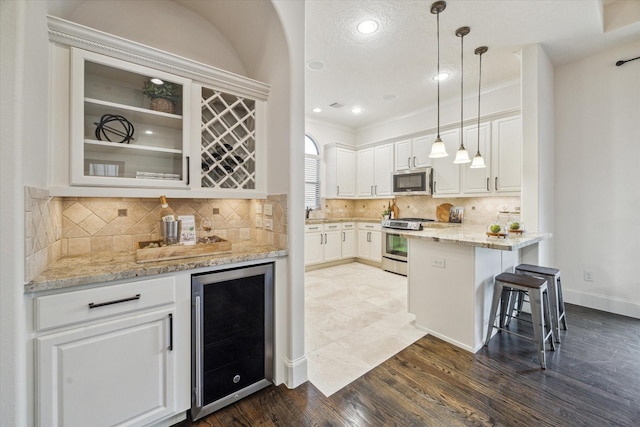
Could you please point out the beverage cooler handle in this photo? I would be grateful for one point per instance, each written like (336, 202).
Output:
(170, 331)
(198, 355)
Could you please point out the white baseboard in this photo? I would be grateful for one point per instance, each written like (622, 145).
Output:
(599, 302)
(296, 371)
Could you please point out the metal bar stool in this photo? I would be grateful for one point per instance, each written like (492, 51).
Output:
(552, 276)
(536, 288)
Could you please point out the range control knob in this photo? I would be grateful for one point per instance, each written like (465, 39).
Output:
(236, 379)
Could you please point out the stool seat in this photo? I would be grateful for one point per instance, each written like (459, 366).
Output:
(521, 280)
(529, 268)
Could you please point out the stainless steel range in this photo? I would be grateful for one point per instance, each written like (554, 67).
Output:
(394, 246)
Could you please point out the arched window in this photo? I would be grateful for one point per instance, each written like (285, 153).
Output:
(311, 173)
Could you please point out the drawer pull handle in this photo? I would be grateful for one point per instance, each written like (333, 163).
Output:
(118, 301)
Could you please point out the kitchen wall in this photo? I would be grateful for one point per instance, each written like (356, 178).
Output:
(597, 198)
(477, 210)
(68, 226)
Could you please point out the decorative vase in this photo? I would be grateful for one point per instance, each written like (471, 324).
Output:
(163, 105)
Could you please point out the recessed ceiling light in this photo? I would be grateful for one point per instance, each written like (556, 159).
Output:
(156, 81)
(315, 65)
(148, 132)
(367, 27)
(356, 110)
(441, 76)
(317, 110)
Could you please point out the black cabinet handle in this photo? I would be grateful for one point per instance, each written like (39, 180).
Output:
(344, 236)
(188, 171)
(496, 183)
(487, 183)
(118, 301)
(170, 331)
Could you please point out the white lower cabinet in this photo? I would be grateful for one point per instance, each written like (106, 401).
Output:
(370, 241)
(322, 243)
(348, 240)
(105, 356)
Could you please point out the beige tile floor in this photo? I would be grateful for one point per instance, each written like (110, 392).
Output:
(355, 318)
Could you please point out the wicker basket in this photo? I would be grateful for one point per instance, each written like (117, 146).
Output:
(163, 105)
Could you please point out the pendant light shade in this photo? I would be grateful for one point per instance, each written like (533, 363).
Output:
(462, 156)
(478, 161)
(438, 148)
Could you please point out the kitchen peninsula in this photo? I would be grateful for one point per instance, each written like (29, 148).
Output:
(450, 278)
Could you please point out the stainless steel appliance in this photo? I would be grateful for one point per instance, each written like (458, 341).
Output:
(232, 336)
(394, 246)
(413, 182)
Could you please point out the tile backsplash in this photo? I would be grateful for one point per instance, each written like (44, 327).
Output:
(67, 226)
(477, 210)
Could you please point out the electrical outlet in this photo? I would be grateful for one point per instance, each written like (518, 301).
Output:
(268, 209)
(588, 276)
(268, 224)
(259, 222)
(437, 262)
(258, 208)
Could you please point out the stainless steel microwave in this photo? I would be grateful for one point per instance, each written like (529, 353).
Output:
(413, 182)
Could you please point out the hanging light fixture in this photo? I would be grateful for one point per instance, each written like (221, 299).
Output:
(462, 156)
(438, 148)
(478, 161)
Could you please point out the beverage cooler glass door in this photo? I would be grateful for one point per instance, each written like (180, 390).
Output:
(395, 246)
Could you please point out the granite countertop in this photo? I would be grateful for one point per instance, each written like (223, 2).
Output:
(473, 235)
(326, 220)
(109, 266)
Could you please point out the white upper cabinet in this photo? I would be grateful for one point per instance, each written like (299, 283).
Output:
(446, 174)
(340, 172)
(477, 181)
(507, 155)
(125, 130)
(413, 153)
(374, 171)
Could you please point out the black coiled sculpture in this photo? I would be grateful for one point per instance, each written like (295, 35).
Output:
(105, 128)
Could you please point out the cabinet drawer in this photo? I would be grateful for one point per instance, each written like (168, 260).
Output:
(52, 311)
(348, 225)
(332, 226)
(313, 228)
(369, 226)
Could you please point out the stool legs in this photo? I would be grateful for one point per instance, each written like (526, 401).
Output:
(561, 313)
(497, 297)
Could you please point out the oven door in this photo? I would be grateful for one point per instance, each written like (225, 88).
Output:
(394, 246)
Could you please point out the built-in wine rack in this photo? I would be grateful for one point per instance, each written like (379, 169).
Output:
(228, 151)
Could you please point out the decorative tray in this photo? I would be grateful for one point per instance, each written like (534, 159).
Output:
(503, 235)
(153, 250)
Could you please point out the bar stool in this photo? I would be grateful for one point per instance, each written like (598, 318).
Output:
(552, 276)
(507, 283)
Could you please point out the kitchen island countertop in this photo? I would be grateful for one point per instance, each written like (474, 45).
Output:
(110, 266)
(473, 235)
(353, 219)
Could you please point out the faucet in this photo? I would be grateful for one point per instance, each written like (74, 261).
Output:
(307, 211)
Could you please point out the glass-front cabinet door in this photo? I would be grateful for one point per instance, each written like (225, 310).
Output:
(227, 140)
(129, 128)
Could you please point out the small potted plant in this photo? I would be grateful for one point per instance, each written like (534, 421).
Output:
(163, 96)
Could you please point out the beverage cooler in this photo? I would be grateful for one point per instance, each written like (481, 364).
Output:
(232, 336)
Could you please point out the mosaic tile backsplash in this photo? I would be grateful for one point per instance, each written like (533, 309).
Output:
(58, 227)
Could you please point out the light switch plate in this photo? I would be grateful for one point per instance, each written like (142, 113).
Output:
(437, 262)
(268, 224)
(268, 209)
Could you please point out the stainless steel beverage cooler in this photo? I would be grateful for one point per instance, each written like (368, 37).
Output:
(232, 336)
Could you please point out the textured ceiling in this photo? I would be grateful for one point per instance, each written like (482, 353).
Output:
(400, 59)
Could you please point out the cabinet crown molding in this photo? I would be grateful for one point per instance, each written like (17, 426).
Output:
(76, 35)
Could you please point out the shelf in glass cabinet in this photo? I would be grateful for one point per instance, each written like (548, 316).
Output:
(97, 107)
(106, 146)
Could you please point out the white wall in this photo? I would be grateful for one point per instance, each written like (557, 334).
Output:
(597, 194)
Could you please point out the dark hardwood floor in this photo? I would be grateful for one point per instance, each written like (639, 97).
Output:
(592, 379)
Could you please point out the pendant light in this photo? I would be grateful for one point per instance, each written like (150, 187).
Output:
(438, 148)
(462, 156)
(478, 161)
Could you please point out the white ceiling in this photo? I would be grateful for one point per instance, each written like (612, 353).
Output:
(400, 58)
